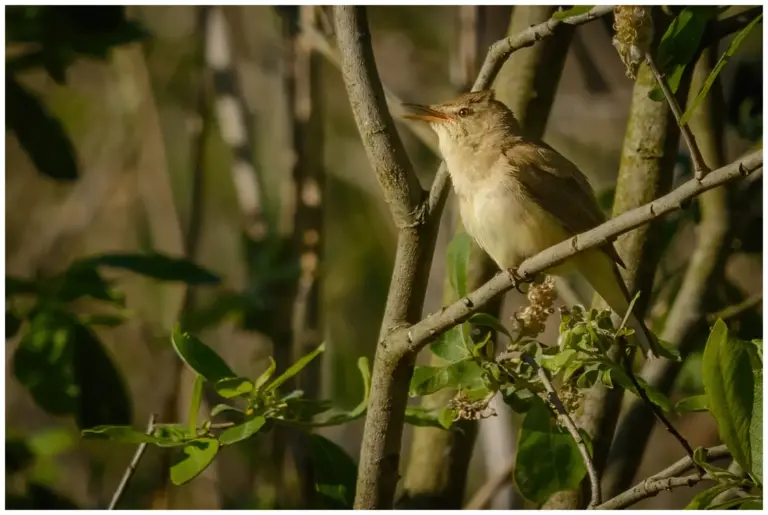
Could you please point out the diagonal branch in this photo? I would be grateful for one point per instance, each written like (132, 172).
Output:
(423, 332)
(565, 418)
(131, 469)
(664, 480)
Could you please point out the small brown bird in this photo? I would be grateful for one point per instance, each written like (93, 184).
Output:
(518, 197)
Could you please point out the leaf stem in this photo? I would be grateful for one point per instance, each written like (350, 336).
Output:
(565, 418)
(699, 166)
(132, 465)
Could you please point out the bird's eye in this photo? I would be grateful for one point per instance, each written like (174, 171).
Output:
(464, 112)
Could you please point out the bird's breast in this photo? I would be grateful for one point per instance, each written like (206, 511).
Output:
(508, 225)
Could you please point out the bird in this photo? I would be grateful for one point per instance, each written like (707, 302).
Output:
(518, 196)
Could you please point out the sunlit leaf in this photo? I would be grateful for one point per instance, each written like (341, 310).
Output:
(702, 500)
(461, 375)
(296, 368)
(459, 251)
(756, 428)
(221, 408)
(234, 387)
(198, 454)
(729, 384)
(265, 376)
(452, 344)
(695, 403)
(241, 431)
(573, 11)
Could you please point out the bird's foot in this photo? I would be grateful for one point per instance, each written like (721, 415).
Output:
(518, 279)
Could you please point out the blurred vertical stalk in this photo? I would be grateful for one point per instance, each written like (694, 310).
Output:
(645, 172)
(303, 76)
(439, 460)
(177, 404)
(704, 270)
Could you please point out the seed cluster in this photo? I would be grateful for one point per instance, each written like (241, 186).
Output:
(532, 318)
(633, 27)
(468, 409)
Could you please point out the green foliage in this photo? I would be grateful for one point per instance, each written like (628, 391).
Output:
(334, 472)
(729, 385)
(756, 428)
(679, 46)
(732, 48)
(264, 406)
(703, 499)
(157, 266)
(548, 459)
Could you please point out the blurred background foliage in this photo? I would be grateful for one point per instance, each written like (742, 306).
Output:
(105, 130)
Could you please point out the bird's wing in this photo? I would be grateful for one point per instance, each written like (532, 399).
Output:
(558, 186)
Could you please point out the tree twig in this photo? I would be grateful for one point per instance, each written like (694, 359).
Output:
(664, 480)
(567, 421)
(626, 357)
(128, 474)
(649, 488)
(699, 166)
(736, 309)
(417, 336)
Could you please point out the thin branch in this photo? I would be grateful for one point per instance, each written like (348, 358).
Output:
(494, 60)
(655, 409)
(423, 332)
(565, 419)
(487, 492)
(685, 463)
(699, 166)
(386, 154)
(648, 489)
(736, 309)
(128, 474)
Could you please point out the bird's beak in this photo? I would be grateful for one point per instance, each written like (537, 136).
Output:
(425, 114)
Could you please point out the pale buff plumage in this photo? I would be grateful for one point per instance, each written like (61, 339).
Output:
(518, 197)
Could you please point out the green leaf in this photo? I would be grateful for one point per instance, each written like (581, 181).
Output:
(452, 344)
(446, 417)
(554, 363)
(121, 434)
(695, 403)
(461, 375)
(756, 428)
(51, 442)
(199, 357)
(158, 266)
(241, 431)
(296, 367)
(653, 394)
(198, 454)
(752, 504)
(265, 376)
(486, 320)
(334, 472)
(732, 48)
(740, 501)
(39, 133)
(459, 251)
(221, 408)
(679, 45)
(702, 500)
(234, 387)
(82, 279)
(548, 459)
(173, 435)
(729, 384)
(573, 11)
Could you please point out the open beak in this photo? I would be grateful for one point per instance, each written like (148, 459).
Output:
(425, 114)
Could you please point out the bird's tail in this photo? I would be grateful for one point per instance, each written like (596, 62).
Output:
(603, 274)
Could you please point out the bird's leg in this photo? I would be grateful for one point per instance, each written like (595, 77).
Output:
(518, 279)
